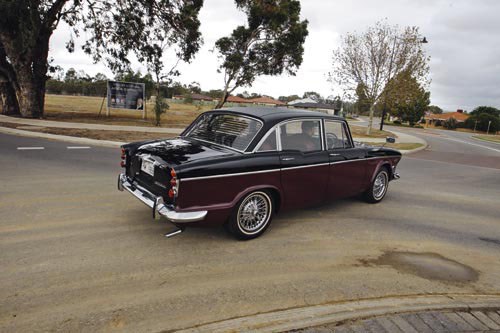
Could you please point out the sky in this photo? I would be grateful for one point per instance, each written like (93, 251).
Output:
(463, 35)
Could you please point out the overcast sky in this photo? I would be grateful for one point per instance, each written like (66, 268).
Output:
(463, 35)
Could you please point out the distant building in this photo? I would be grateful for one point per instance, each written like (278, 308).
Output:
(236, 99)
(459, 116)
(264, 100)
(327, 108)
(200, 97)
(302, 100)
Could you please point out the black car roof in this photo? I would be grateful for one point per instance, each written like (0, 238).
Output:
(276, 114)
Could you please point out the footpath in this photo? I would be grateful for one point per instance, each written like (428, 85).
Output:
(397, 314)
(23, 126)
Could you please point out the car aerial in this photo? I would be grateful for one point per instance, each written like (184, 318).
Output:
(240, 166)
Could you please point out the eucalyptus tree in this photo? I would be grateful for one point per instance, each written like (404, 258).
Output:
(270, 43)
(369, 60)
(114, 30)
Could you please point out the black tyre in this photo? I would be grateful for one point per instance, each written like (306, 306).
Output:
(377, 190)
(252, 215)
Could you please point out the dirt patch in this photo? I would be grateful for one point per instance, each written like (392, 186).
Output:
(402, 146)
(360, 132)
(431, 266)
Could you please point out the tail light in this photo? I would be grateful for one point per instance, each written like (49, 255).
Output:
(123, 157)
(174, 183)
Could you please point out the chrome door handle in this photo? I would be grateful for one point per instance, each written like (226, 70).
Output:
(287, 158)
(334, 154)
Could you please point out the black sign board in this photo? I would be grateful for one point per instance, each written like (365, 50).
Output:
(126, 95)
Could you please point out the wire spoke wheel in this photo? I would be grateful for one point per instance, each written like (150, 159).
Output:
(254, 213)
(380, 185)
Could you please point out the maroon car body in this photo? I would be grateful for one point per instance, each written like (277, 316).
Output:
(230, 162)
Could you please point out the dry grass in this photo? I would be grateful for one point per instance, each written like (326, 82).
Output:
(84, 109)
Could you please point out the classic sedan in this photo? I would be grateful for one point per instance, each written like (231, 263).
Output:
(240, 166)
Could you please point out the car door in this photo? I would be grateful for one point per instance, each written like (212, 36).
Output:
(304, 162)
(347, 171)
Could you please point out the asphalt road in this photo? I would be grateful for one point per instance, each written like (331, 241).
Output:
(77, 255)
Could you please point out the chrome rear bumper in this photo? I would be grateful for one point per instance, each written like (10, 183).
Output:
(157, 204)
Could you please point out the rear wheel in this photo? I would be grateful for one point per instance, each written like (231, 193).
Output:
(378, 188)
(252, 215)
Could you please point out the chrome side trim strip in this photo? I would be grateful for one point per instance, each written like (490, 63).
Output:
(281, 169)
(229, 175)
(305, 166)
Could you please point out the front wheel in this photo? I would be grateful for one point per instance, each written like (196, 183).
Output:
(251, 216)
(378, 188)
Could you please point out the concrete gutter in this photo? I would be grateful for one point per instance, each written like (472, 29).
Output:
(300, 318)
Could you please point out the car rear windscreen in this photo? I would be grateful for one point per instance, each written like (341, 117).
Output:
(229, 130)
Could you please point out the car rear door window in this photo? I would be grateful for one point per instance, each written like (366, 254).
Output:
(301, 135)
(269, 144)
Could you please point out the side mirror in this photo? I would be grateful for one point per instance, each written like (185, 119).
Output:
(390, 140)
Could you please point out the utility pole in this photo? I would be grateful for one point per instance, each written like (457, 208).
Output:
(488, 130)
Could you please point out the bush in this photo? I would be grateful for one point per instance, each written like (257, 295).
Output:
(397, 122)
(450, 123)
(438, 123)
(418, 126)
(461, 124)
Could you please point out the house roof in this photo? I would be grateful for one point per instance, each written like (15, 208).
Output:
(201, 97)
(460, 116)
(236, 99)
(266, 100)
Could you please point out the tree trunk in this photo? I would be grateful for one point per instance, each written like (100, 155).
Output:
(31, 96)
(370, 121)
(8, 99)
(222, 100)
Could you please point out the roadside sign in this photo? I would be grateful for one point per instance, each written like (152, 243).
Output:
(126, 95)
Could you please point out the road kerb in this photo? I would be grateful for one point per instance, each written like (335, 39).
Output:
(300, 318)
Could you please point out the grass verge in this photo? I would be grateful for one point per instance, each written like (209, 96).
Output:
(490, 138)
(122, 136)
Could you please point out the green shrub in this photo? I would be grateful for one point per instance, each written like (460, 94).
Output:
(418, 126)
(397, 122)
(438, 123)
(482, 122)
(450, 123)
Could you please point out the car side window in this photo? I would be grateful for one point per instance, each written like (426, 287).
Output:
(336, 135)
(269, 144)
(301, 135)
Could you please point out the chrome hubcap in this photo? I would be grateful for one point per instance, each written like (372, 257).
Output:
(254, 212)
(380, 185)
